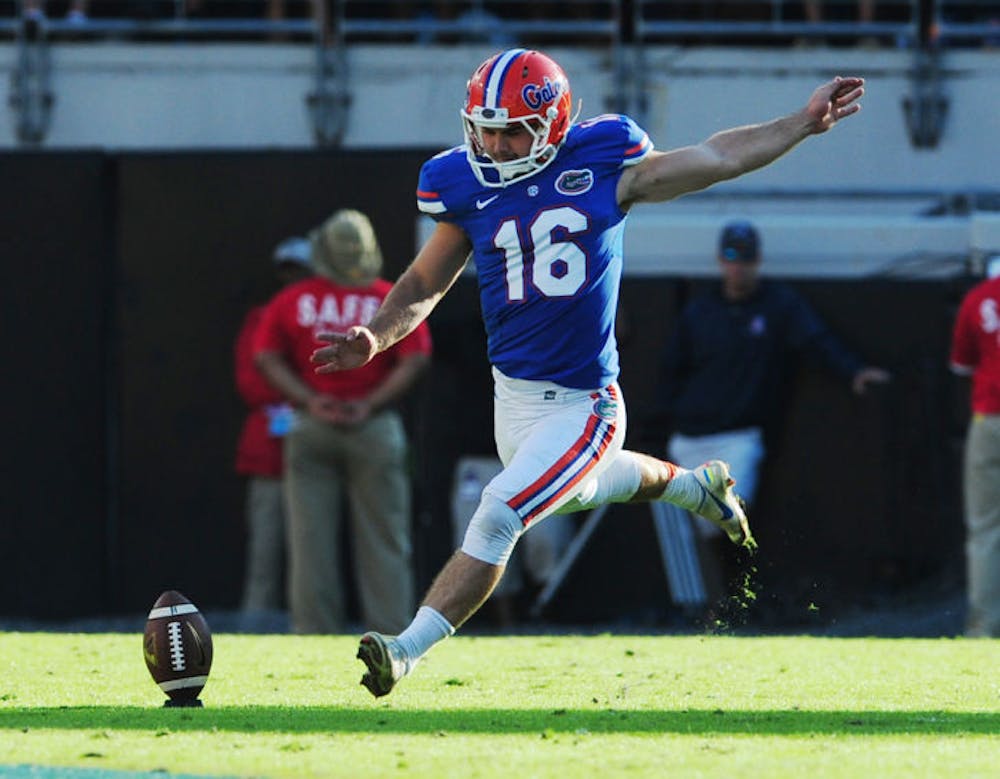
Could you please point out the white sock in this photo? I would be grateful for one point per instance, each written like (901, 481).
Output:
(428, 628)
(683, 490)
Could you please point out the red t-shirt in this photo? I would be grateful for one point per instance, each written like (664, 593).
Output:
(975, 345)
(317, 305)
(258, 453)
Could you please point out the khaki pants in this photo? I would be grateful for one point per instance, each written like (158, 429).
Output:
(369, 464)
(264, 582)
(982, 524)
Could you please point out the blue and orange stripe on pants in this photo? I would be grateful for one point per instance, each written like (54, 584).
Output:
(576, 463)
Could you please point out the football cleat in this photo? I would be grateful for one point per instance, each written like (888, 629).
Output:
(384, 660)
(721, 505)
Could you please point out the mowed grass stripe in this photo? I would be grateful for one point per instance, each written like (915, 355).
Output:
(485, 706)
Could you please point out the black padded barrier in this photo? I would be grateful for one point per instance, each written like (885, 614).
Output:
(55, 260)
(126, 277)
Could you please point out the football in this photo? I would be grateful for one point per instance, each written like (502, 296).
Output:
(177, 646)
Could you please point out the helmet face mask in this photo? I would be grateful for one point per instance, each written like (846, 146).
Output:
(516, 87)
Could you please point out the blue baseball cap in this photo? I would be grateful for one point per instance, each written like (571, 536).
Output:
(739, 242)
(294, 250)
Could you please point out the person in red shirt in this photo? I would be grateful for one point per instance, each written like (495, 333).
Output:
(258, 454)
(347, 436)
(975, 352)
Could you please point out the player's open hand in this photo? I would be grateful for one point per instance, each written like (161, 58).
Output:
(834, 101)
(344, 350)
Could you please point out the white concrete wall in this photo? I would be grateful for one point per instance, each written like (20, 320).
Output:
(242, 95)
(174, 96)
(697, 91)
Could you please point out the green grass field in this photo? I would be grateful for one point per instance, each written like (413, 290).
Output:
(537, 706)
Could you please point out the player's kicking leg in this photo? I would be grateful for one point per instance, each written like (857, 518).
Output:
(707, 490)
(384, 661)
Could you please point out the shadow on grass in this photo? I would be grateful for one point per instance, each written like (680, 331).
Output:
(332, 719)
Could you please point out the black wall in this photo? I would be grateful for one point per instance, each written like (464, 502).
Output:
(126, 277)
(54, 244)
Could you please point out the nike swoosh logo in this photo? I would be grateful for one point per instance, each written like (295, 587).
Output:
(727, 513)
(481, 204)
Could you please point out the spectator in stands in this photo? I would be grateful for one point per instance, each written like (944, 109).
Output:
(477, 24)
(278, 10)
(274, 11)
(347, 437)
(814, 10)
(259, 457)
(75, 13)
(975, 352)
(724, 365)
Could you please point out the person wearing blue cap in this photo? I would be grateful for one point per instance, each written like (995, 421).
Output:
(726, 360)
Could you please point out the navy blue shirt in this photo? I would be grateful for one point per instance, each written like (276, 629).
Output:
(726, 361)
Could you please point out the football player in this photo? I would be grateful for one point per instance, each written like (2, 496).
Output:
(539, 204)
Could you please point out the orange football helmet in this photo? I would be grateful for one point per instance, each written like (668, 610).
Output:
(523, 86)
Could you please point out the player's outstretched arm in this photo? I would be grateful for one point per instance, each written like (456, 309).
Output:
(410, 301)
(731, 153)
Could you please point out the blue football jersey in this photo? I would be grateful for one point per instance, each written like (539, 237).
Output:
(547, 250)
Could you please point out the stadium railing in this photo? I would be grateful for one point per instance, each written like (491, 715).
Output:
(894, 22)
(155, 19)
(595, 22)
(975, 23)
(623, 28)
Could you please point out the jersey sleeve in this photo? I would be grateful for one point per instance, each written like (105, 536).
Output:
(433, 186)
(615, 138)
(637, 143)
